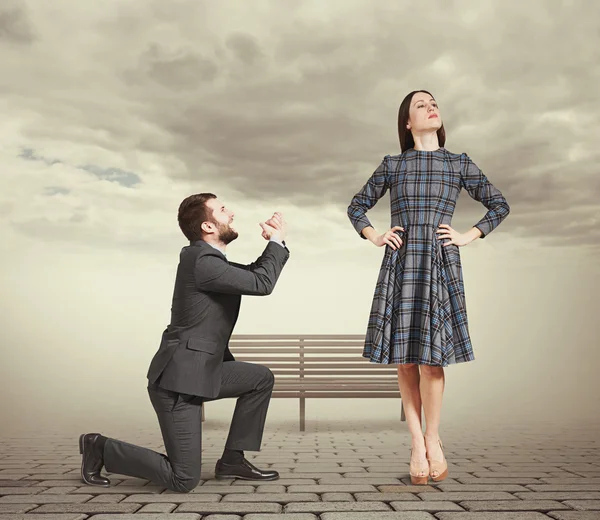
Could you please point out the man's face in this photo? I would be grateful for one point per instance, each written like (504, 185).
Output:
(222, 219)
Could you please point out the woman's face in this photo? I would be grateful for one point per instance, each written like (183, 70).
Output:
(423, 114)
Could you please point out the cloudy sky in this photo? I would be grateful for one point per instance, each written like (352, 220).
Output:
(113, 112)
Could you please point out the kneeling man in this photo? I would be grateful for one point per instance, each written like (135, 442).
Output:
(193, 363)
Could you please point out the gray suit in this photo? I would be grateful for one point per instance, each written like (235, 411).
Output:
(193, 364)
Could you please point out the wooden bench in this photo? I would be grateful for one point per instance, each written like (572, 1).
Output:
(318, 366)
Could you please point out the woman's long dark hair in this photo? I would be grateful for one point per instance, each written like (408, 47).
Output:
(404, 134)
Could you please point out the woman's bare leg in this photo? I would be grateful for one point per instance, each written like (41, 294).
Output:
(408, 382)
(432, 391)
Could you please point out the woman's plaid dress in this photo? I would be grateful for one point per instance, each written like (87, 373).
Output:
(418, 313)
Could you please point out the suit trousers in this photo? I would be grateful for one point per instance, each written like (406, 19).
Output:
(180, 419)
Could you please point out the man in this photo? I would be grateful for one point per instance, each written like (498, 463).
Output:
(193, 363)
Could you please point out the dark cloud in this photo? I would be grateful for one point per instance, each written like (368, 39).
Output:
(15, 25)
(177, 69)
(245, 47)
(300, 108)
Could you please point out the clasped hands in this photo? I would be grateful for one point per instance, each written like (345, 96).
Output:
(275, 227)
(444, 231)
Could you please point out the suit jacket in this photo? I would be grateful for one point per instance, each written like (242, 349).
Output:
(206, 304)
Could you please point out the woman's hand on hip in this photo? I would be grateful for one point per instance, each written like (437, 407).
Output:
(389, 238)
(444, 231)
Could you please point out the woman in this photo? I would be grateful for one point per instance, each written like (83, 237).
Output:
(418, 317)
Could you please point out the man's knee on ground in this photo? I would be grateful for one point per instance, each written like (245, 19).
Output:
(186, 485)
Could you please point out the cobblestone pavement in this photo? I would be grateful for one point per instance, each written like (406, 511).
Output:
(339, 471)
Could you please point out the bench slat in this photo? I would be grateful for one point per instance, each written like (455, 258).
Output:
(296, 351)
(312, 373)
(297, 337)
(307, 360)
(337, 388)
(295, 344)
(283, 381)
(333, 395)
(385, 382)
(333, 368)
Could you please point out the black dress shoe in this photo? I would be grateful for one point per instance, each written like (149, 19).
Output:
(91, 448)
(243, 470)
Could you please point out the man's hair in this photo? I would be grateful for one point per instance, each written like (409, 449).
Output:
(192, 213)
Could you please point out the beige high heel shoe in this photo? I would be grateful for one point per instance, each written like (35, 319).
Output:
(415, 479)
(440, 467)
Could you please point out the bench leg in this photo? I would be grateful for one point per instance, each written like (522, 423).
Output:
(202, 412)
(302, 414)
(402, 416)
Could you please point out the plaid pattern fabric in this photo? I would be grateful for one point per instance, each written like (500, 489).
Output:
(419, 313)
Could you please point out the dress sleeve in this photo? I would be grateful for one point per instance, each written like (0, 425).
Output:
(368, 196)
(482, 190)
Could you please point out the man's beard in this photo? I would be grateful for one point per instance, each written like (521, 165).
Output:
(226, 234)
